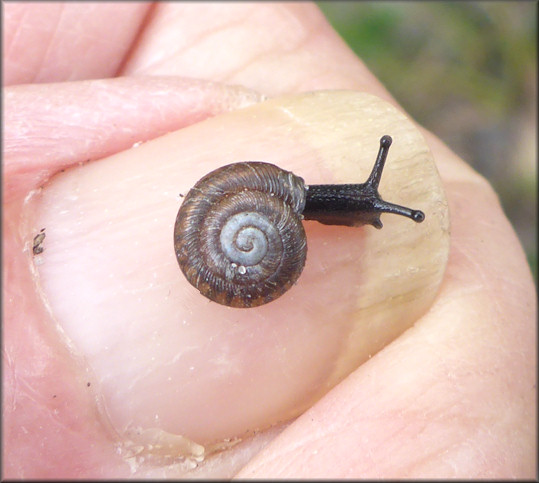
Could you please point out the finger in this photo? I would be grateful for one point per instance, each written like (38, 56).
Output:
(53, 126)
(202, 372)
(452, 397)
(240, 43)
(51, 42)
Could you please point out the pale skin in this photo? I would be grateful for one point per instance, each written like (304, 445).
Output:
(453, 397)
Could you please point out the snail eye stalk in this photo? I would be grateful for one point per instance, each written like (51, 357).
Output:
(355, 204)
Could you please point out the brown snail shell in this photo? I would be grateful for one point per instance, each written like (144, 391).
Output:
(238, 236)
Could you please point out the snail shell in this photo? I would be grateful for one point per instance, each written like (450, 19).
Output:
(238, 235)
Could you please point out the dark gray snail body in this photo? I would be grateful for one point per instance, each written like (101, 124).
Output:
(239, 237)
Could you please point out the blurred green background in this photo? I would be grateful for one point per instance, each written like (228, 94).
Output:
(467, 71)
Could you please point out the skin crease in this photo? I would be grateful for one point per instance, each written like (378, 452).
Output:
(452, 397)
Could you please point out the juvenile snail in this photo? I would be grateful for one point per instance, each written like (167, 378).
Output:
(238, 235)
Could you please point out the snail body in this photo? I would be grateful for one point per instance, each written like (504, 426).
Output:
(239, 237)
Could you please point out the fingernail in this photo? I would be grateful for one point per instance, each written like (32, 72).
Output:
(169, 360)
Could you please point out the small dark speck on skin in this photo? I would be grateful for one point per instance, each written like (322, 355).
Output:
(181, 195)
(87, 384)
(53, 396)
(38, 240)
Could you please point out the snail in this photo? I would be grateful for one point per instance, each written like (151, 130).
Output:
(239, 237)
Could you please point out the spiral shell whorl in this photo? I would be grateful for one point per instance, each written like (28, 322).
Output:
(238, 236)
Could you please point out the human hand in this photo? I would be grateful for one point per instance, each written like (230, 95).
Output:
(454, 396)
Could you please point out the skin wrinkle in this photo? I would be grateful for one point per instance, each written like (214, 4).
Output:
(50, 43)
(213, 32)
(19, 27)
(408, 424)
(455, 410)
(350, 67)
(297, 13)
(253, 60)
(471, 256)
(77, 47)
(418, 458)
(137, 38)
(471, 259)
(300, 85)
(465, 447)
(273, 52)
(80, 33)
(192, 44)
(421, 460)
(9, 403)
(236, 73)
